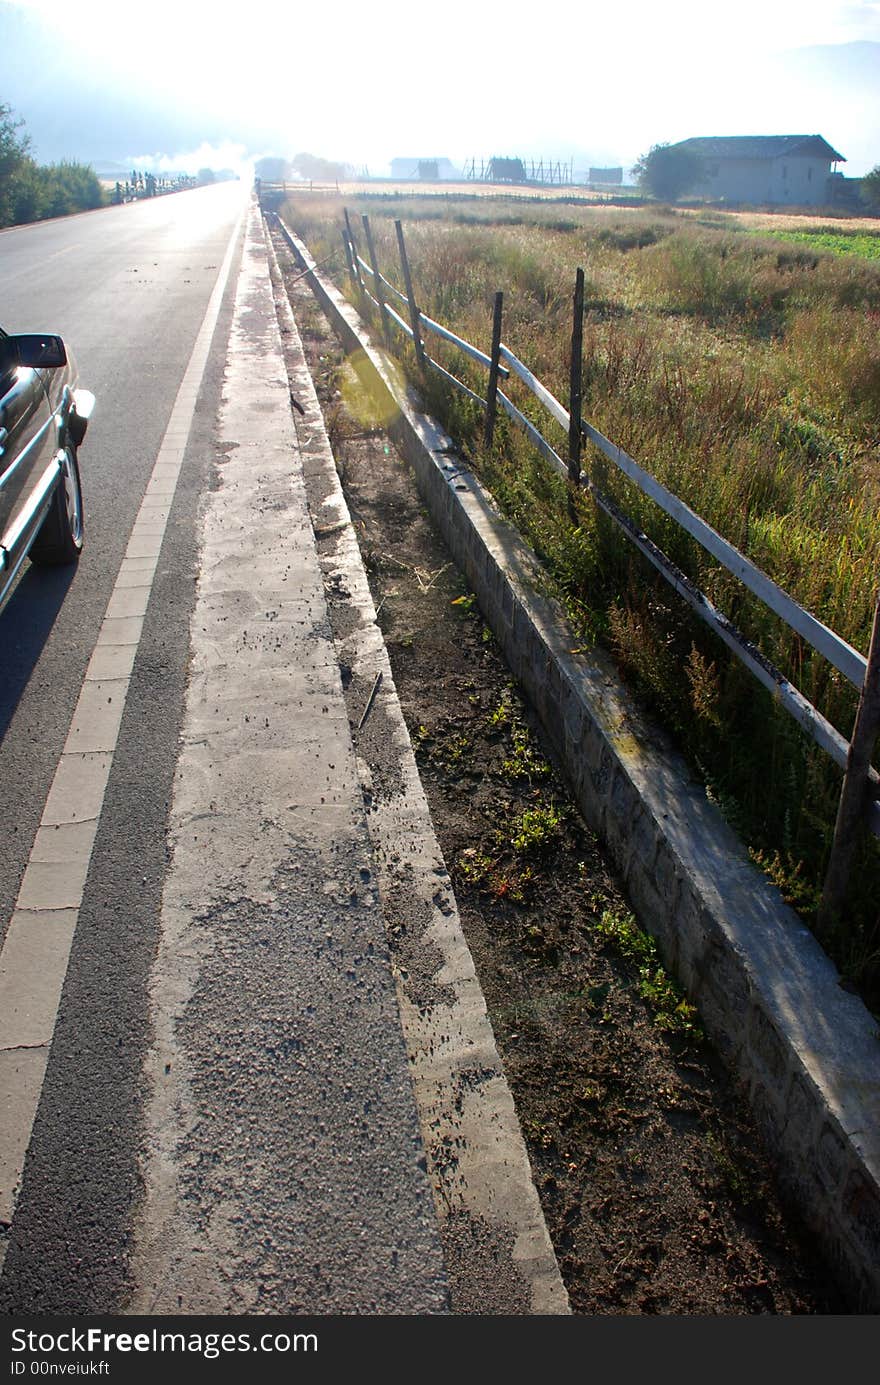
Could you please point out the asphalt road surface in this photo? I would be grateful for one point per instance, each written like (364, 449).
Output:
(128, 288)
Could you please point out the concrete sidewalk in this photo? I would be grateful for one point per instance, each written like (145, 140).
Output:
(287, 1168)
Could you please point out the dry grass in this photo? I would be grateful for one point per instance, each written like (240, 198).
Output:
(803, 221)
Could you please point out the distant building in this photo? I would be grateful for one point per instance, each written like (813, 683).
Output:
(506, 170)
(429, 170)
(766, 169)
(606, 177)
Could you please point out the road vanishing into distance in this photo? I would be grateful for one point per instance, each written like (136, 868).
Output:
(215, 1097)
(128, 288)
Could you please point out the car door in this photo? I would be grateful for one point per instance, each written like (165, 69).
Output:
(27, 447)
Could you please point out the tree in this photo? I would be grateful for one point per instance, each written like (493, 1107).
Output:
(870, 188)
(668, 171)
(273, 169)
(27, 195)
(316, 169)
(13, 154)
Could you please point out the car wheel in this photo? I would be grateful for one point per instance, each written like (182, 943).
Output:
(60, 538)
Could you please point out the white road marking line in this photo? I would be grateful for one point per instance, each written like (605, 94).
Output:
(36, 950)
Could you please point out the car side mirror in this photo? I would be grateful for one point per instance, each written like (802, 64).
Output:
(37, 350)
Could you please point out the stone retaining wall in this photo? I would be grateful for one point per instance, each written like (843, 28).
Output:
(806, 1051)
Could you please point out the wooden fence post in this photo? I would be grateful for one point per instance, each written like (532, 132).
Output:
(354, 250)
(377, 282)
(492, 393)
(574, 394)
(411, 298)
(348, 257)
(854, 794)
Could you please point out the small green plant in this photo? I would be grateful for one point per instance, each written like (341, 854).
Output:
(622, 930)
(525, 762)
(590, 1094)
(671, 1011)
(423, 740)
(515, 885)
(787, 876)
(536, 828)
(456, 749)
(499, 720)
(474, 866)
(486, 873)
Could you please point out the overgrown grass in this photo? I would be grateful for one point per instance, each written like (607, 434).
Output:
(745, 375)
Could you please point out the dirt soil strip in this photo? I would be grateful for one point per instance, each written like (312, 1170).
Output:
(651, 1174)
(498, 1253)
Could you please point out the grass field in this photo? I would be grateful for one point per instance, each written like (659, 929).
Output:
(741, 369)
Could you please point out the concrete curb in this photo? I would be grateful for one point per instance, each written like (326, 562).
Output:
(498, 1253)
(806, 1051)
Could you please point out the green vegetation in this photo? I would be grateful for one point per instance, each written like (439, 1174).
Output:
(744, 373)
(32, 192)
(526, 762)
(536, 828)
(669, 1007)
(667, 171)
(870, 188)
(865, 243)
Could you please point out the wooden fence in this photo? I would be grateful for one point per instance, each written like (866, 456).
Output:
(860, 796)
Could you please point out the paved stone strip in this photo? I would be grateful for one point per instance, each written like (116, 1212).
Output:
(498, 1252)
(36, 949)
(284, 1168)
(805, 1049)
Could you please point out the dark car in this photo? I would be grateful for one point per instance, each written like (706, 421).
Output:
(43, 419)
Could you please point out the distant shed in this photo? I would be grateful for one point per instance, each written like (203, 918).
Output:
(425, 170)
(606, 177)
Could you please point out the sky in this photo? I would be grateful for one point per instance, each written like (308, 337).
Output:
(597, 83)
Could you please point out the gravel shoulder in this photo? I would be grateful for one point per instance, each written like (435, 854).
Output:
(654, 1187)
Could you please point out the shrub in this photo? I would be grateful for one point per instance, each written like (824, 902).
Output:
(70, 187)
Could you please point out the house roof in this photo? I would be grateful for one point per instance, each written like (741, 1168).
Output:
(761, 147)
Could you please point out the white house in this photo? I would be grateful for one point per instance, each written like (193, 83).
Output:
(774, 169)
